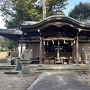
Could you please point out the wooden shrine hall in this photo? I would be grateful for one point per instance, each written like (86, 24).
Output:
(57, 39)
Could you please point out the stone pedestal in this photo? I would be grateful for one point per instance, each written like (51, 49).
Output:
(88, 67)
(25, 67)
(88, 63)
(18, 65)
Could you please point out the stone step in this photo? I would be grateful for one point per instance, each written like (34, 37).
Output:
(11, 72)
(9, 67)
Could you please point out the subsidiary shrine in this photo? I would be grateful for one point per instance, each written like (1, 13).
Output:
(57, 39)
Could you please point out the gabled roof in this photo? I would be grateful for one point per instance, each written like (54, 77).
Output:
(59, 21)
(55, 18)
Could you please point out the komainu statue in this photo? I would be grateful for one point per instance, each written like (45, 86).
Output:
(26, 55)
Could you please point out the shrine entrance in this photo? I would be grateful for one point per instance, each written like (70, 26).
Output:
(58, 50)
(58, 43)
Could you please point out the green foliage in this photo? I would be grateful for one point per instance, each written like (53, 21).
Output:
(2, 49)
(7, 44)
(10, 44)
(17, 11)
(14, 53)
(34, 14)
(55, 5)
(2, 44)
(81, 12)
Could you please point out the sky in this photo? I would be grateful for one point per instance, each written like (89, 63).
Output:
(70, 6)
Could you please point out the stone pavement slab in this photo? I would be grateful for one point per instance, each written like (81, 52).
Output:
(62, 80)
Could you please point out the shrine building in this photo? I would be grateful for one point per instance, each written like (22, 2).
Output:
(57, 39)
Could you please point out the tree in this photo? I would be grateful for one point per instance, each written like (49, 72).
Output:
(81, 12)
(17, 11)
(2, 43)
(9, 44)
(55, 5)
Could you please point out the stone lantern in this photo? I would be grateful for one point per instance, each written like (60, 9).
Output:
(25, 62)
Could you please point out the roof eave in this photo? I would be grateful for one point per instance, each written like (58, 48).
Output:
(56, 18)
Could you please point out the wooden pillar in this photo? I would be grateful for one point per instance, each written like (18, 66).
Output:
(22, 41)
(72, 55)
(74, 52)
(77, 51)
(44, 9)
(81, 51)
(58, 55)
(26, 43)
(40, 51)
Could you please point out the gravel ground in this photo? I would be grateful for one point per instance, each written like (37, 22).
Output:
(85, 77)
(16, 82)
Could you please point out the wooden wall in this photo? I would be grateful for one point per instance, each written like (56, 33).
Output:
(84, 49)
(36, 49)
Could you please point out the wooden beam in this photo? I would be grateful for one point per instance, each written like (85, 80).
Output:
(48, 39)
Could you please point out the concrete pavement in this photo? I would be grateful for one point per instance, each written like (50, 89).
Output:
(62, 80)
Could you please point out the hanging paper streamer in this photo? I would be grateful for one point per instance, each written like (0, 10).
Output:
(71, 43)
(74, 42)
(53, 41)
(64, 42)
(43, 42)
(47, 42)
